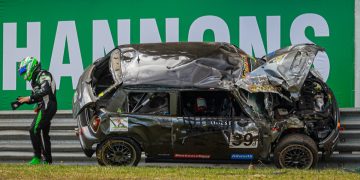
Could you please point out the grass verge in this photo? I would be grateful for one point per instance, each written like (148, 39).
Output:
(21, 171)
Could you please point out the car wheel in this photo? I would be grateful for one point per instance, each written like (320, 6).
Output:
(296, 151)
(118, 152)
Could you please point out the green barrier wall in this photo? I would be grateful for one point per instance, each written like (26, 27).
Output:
(68, 35)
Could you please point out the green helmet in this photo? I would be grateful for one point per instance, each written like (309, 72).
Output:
(27, 67)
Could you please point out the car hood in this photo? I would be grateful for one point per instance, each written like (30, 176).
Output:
(83, 95)
(285, 68)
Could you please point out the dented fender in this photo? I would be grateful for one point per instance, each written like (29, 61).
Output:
(285, 68)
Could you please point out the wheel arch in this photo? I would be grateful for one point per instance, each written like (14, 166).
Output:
(132, 136)
(288, 132)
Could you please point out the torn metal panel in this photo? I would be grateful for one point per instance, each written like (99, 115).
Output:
(83, 95)
(285, 68)
(259, 83)
(115, 65)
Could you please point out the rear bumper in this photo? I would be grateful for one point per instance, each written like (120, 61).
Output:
(87, 140)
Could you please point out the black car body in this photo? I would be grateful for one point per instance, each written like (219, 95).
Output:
(205, 102)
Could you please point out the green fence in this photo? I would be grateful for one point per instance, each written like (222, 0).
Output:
(68, 35)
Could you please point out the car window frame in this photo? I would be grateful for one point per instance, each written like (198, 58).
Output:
(230, 92)
(172, 98)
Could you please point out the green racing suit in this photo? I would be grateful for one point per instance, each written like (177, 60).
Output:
(44, 94)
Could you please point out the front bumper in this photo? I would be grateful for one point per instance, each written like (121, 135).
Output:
(327, 146)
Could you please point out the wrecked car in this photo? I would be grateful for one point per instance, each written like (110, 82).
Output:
(206, 102)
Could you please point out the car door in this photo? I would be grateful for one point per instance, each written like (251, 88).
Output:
(150, 116)
(226, 135)
(197, 137)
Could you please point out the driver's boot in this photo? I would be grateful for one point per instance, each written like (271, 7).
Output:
(34, 161)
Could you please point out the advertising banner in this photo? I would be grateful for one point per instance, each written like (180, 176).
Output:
(67, 36)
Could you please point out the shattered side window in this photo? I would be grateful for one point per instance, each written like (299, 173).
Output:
(117, 102)
(149, 103)
(209, 103)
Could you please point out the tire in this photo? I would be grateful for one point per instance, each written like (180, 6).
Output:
(88, 152)
(99, 160)
(296, 151)
(118, 152)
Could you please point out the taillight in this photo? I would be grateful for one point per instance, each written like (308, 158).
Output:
(339, 125)
(95, 123)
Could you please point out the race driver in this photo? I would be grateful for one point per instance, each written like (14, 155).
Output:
(44, 95)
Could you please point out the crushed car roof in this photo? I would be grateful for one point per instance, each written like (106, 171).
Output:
(194, 64)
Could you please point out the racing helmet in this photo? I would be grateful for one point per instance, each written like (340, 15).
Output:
(27, 67)
(200, 106)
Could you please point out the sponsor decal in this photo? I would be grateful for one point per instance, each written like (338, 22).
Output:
(199, 122)
(164, 155)
(192, 156)
(244, 136)
(247, 66)
(249, 140)
(118, 124)
(242, 157)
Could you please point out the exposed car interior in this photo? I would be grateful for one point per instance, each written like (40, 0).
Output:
(101, 77)
(149, 103)
(208, 103)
